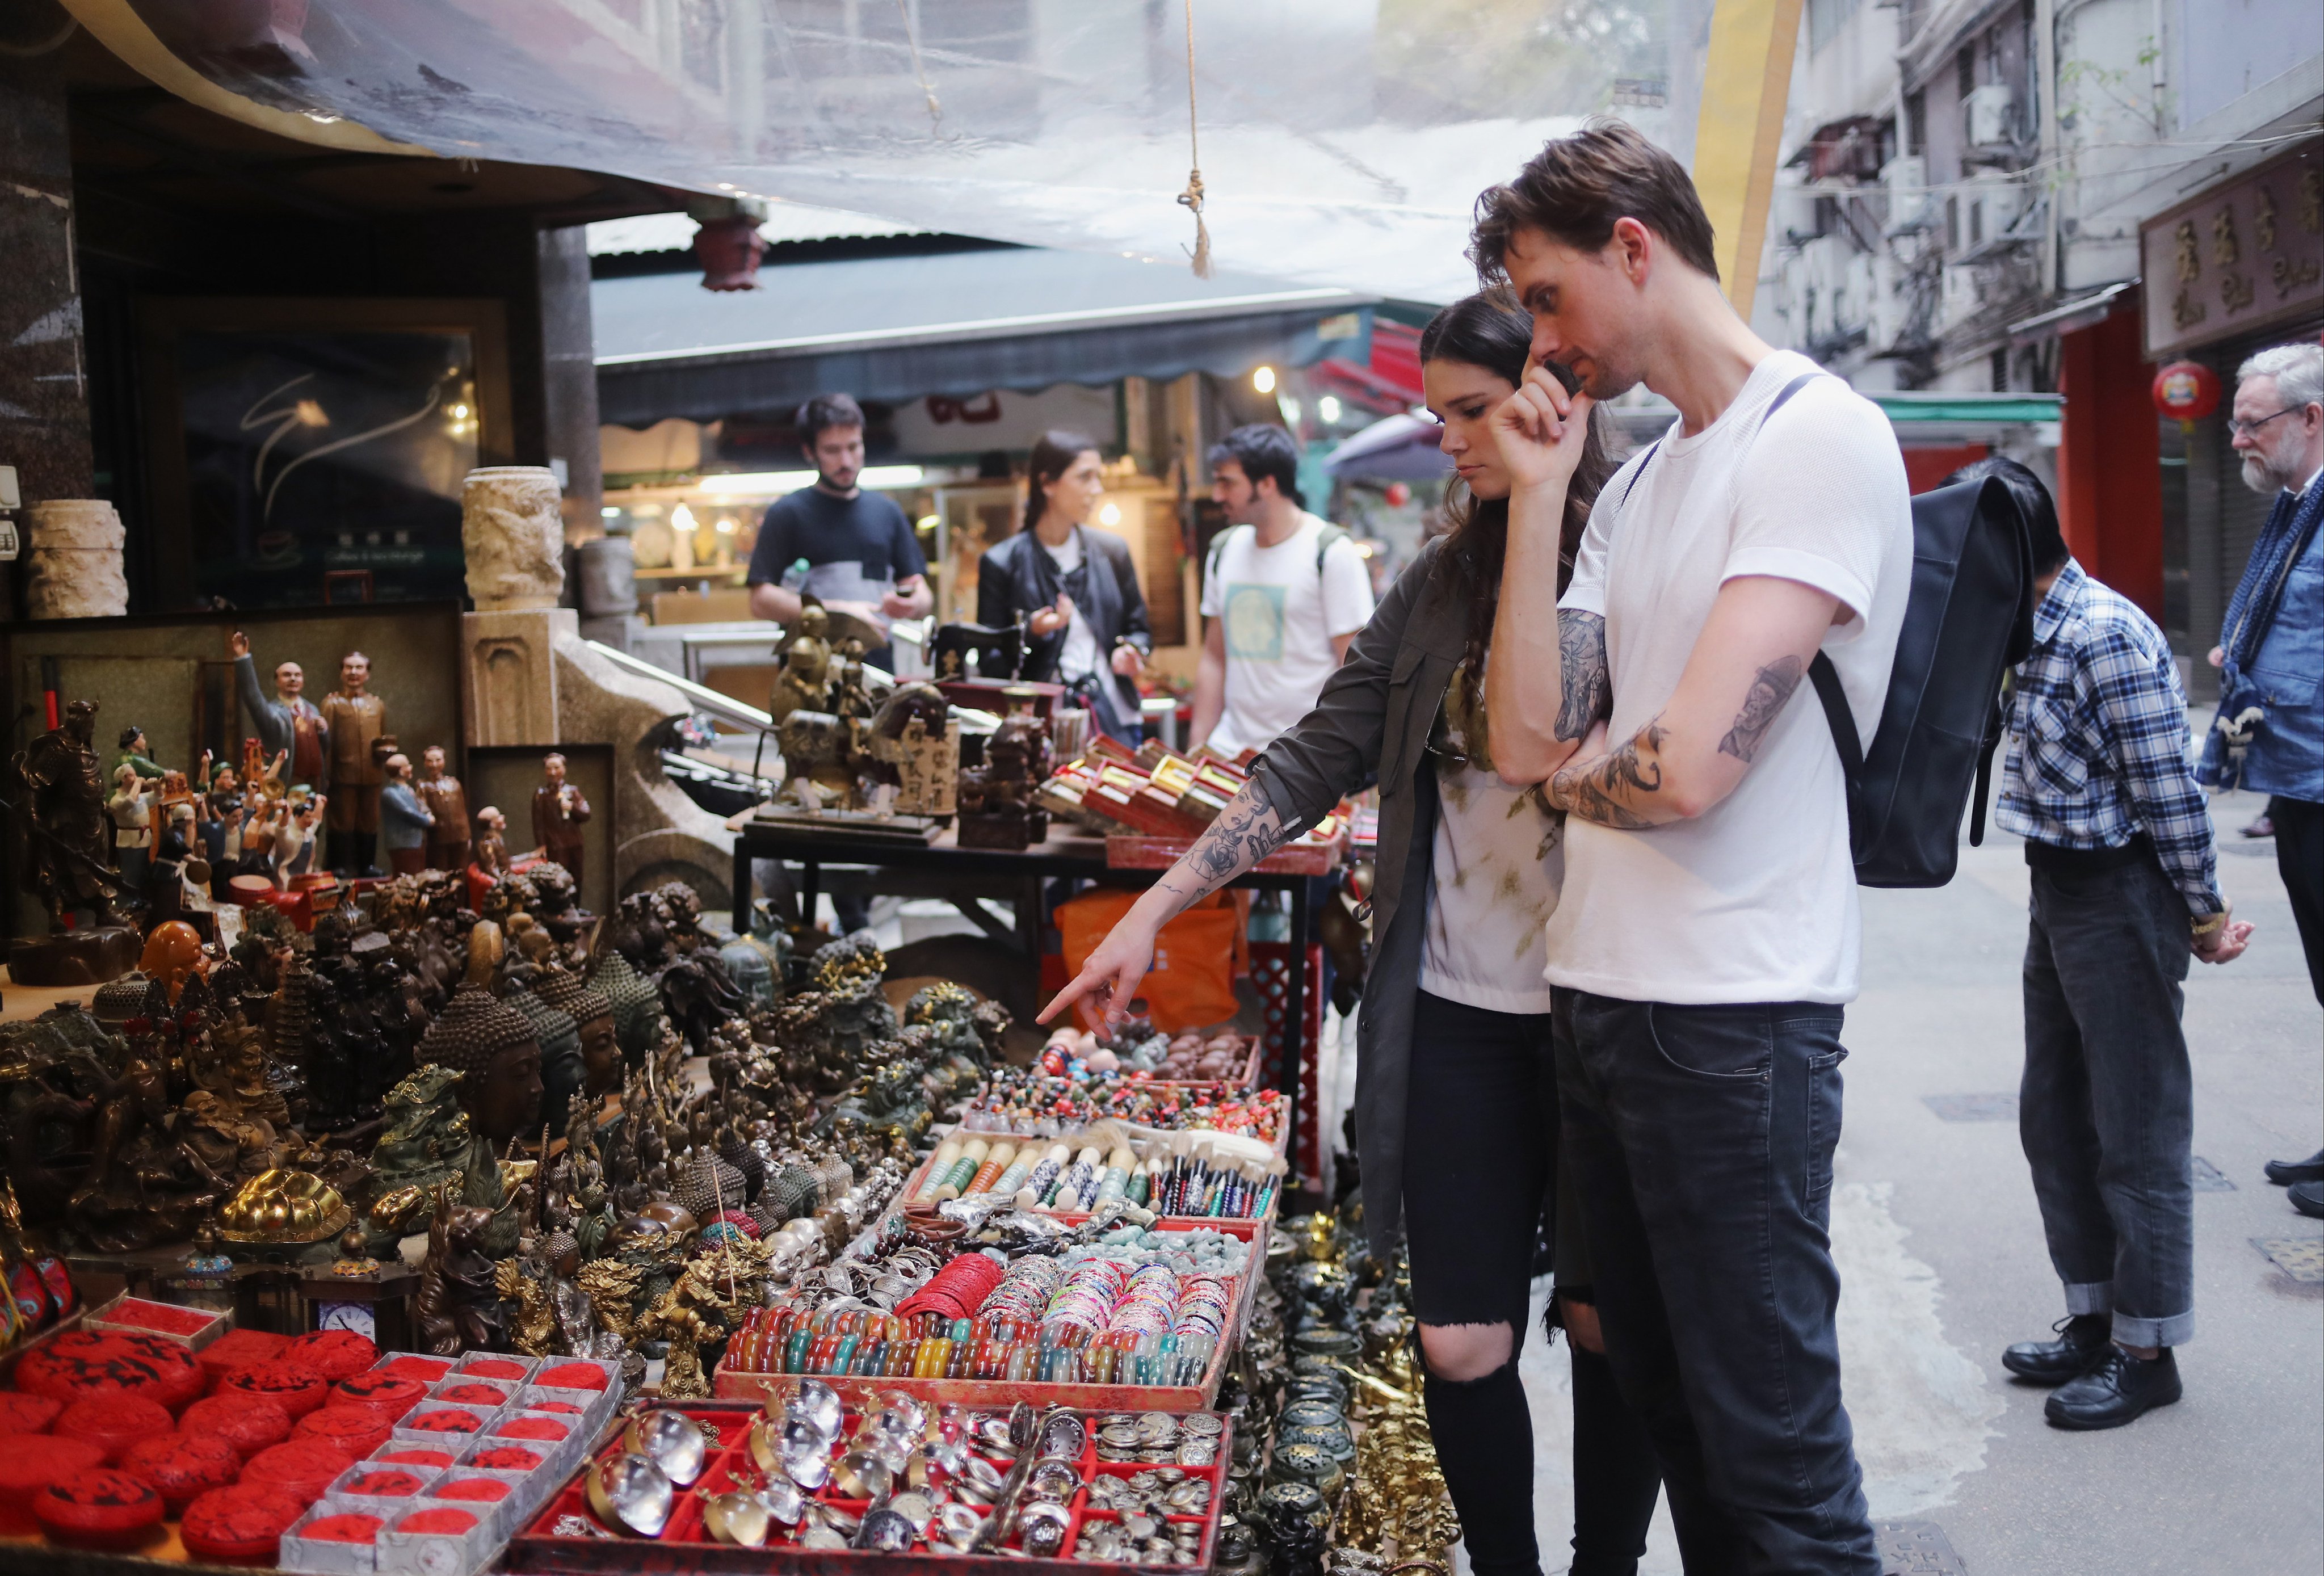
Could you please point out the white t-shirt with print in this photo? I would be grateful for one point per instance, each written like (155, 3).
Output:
(1079, 658)
(1280, 617)
(1756, 899)
(1498, 861)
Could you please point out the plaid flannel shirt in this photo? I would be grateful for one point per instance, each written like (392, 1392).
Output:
(2099, 739)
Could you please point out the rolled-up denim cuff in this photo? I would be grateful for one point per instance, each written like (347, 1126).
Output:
(2095, 1296)
(2178, 1330)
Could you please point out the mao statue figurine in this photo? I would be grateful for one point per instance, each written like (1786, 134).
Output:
(559, 811)
(290, 723)
(360, 743)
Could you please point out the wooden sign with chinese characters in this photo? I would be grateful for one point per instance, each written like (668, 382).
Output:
(2247, 254)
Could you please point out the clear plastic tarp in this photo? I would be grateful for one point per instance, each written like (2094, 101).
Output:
(1341, 141)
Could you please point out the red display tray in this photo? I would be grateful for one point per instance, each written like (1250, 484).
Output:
(685, 1546)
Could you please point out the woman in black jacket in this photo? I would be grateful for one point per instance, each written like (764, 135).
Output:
(1076, 590)
(1456, 1096)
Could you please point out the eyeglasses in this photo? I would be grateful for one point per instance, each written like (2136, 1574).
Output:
(2245, 429)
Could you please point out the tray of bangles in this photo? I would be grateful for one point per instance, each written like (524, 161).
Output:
(1104, 1313)
(1185, 1178)
(812, 1481)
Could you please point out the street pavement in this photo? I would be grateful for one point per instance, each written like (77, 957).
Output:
(1943, 1264)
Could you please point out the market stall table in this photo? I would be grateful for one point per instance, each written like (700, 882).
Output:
(942, 864)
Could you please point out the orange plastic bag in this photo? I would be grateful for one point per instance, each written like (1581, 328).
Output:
(1192, 982)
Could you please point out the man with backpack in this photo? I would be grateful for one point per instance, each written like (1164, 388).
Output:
(1708, 929)
(2124, 889)
(1283, 595)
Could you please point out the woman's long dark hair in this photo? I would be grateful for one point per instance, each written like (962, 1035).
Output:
(1491, 331)
(1054, 453)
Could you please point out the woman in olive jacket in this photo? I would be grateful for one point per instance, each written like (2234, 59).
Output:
(1456, 1101)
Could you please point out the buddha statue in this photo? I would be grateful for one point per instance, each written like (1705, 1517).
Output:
(592, 1012)
(562, 1074)
(637, 1005)
(497, 1053)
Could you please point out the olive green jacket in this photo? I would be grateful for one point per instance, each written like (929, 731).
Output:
(1371, 724)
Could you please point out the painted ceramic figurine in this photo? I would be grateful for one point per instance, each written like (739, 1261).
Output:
(356, 721)
(559, 811)
(289, 722)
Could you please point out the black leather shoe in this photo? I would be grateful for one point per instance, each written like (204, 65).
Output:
(2284, 1173)
(2307, 1198)
(2082, 1340)
(2120, 1389)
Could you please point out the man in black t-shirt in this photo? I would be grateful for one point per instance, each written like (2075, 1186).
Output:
(861, 554)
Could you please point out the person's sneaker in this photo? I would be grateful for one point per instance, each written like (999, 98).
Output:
(2120, 1389)
(2284, 1173)
(2263, 827)
(2307, 1198)
(2082, 1341)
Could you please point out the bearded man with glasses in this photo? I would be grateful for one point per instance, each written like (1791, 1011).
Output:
(2269, 736)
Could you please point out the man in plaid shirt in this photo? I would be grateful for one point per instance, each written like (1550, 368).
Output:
(2098, 782)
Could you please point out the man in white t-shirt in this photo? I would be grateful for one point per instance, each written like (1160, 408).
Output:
(1283, 595)
(1708, 929)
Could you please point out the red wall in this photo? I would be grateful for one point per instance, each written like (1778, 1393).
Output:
(1925, 467)
(2111, 460)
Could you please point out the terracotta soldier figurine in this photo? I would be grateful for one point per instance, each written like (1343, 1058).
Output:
(559, 811)
(360, 743)
(441, 793)
(290, 721)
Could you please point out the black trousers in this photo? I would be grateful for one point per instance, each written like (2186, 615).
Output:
(1700, 1140)
(2300, 860)
(1482, 1126)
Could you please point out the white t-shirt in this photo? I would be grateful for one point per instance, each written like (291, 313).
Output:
(1756, 899)
(1498, 859)
(1280, 619)
(1079, 658)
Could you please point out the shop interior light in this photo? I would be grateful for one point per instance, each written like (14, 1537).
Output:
(1263, 380)
(610, 513)
(1109, 514)
(1328, 408)
(725, 525)
(682, 518)
(769, 484)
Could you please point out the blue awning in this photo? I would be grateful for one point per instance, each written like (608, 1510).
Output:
(897, 329)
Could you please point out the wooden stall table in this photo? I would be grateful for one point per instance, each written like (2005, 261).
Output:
(941, 868)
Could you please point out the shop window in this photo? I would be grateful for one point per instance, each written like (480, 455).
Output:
(1976, 221)
(1916, 123)
(1953, 224)
(1965, 70)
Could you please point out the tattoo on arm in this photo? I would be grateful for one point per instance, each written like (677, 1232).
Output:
(1587, 695)
(1597, 790)
(1761, 706)
(1246, 832)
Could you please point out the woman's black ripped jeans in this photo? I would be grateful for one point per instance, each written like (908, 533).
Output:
(1480, 1126)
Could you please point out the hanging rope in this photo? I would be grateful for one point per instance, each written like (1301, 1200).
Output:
(912, 37)
(1193, 196)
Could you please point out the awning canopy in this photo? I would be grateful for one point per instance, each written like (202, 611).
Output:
(1401, 447)
(894, 328)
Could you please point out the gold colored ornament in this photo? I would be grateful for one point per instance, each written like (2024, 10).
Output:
(283, 1207)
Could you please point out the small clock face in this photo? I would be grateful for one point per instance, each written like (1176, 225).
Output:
(354, 1316)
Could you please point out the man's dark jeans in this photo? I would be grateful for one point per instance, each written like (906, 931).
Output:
(1700, 1140)
(2106, 1110)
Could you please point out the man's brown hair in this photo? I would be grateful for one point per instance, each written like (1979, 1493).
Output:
(1576, 188)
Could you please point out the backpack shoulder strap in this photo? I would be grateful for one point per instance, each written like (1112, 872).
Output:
(1218, 547)
(1844, 736)
(1329, 537)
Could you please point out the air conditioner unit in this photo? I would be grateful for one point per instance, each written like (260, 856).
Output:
(1906, 181)
(1989, 115)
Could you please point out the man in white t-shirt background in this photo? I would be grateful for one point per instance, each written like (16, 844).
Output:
(1283, 595)
(1708, 929)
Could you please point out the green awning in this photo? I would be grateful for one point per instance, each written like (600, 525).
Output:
(1954, 408)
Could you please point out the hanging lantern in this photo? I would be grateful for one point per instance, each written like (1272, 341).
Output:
(2187, 391)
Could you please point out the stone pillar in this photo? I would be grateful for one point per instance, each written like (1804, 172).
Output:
(44, 382)
(569, 377)
(508, 677)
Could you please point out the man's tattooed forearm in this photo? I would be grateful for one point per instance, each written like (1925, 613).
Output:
(1246, 832)
(1581, 665)
(1596, 790)
(1761, 706)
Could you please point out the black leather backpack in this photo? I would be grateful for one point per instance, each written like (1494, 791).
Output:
(1969, 619)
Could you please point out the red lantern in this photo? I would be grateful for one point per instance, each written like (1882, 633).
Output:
(2187, 391)
(1398, 494)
